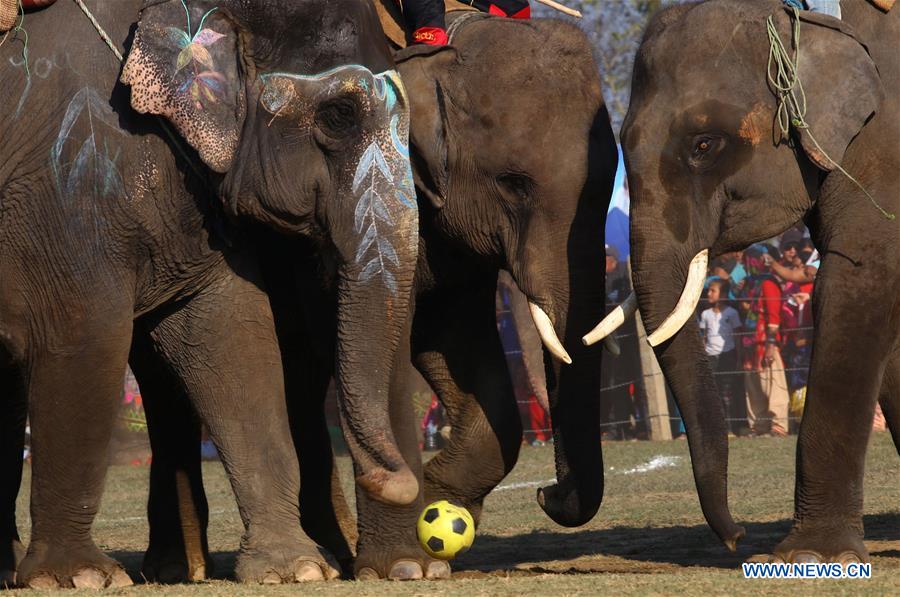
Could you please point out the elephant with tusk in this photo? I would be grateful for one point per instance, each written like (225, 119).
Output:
(711, 171)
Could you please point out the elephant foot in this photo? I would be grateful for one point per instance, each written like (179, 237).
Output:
(172, 565)
(53, 566)
(285, 564)
(11, 554)
(399, 564)
(819, 545)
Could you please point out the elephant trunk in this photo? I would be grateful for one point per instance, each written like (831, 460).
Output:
(370, 326)
(573, 300)
(378, 245)
(662, 273)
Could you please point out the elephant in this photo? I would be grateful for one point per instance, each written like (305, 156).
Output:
(120, 239)
(490, 198)
(711, 171)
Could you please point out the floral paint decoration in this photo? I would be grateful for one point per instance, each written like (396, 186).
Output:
(382, 180)
(204, 83)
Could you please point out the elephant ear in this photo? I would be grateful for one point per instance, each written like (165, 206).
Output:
(842, 85)
(422, 69)
(183, 65)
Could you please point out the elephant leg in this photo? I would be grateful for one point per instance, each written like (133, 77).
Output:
(889, 398)
(387, 546)
(73, 390)
(460, 355)
(222, 346)
(324, 512)
(846, 375)
(177, 510)
(12, 441)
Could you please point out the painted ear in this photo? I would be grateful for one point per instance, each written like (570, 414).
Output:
(183, 65)
(422, 71)
(842, 85)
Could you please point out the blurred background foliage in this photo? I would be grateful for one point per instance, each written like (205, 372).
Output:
(615, 28)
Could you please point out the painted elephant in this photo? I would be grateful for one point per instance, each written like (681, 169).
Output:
(500, 186)
(710, 172)
(117, 236)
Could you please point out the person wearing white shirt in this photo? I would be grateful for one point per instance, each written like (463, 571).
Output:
(719, 324)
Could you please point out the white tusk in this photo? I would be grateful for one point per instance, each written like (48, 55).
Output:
(690, 296)
(548, 334)
(612, 345)
(613, 321)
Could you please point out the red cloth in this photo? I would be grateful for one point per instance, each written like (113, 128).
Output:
(538, 421)
(36, 3)
(767, 306)
(431, 36)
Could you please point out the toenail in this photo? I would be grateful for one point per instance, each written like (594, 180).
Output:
(308, 571)
(271, 578)
(806, 557)
(405, 570)
(43, 581)
(367, 574)
(849, 557)
(438, 569)
(89, 578)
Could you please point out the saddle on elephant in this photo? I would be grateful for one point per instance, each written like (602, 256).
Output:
(9, 11)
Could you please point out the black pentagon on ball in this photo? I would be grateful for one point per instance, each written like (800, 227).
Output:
(459, 526)
(431, 515)
(435, 544)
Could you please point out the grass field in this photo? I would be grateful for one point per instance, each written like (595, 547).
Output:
(649, 537)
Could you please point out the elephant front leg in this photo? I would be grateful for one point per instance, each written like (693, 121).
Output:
(856, 329)
(73, 389)
(387, 546)
(12, 440)
(460, 354)
(177, 510)
(222, 345)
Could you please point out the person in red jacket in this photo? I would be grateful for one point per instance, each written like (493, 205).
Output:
(767, 394)
(426, 24)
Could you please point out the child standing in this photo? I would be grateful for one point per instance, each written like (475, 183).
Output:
(719, 324)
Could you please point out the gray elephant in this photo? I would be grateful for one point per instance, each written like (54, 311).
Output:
(500, 186)
(710, 172)
(113, 239)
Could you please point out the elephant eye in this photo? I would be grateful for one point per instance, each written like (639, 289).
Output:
(520, 185)
(704, 150)
(338, 118)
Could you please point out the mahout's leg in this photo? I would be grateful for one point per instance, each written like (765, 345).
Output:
(849, 359)
(222, 346)
(13, 413)
(458, 350)
(177, 510)
(73, 381)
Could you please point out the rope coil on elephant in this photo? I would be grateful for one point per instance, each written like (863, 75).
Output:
(786, 85)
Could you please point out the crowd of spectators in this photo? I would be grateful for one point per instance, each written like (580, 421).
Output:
(757, 327)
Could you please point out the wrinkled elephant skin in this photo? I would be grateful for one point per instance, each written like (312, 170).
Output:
(708, 170)
(123, 209)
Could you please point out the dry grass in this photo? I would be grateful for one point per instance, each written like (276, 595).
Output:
(649, 537)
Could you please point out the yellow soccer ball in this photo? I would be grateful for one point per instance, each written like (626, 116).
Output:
(445, 530)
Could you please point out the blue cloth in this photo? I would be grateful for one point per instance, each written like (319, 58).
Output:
(826, 7)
